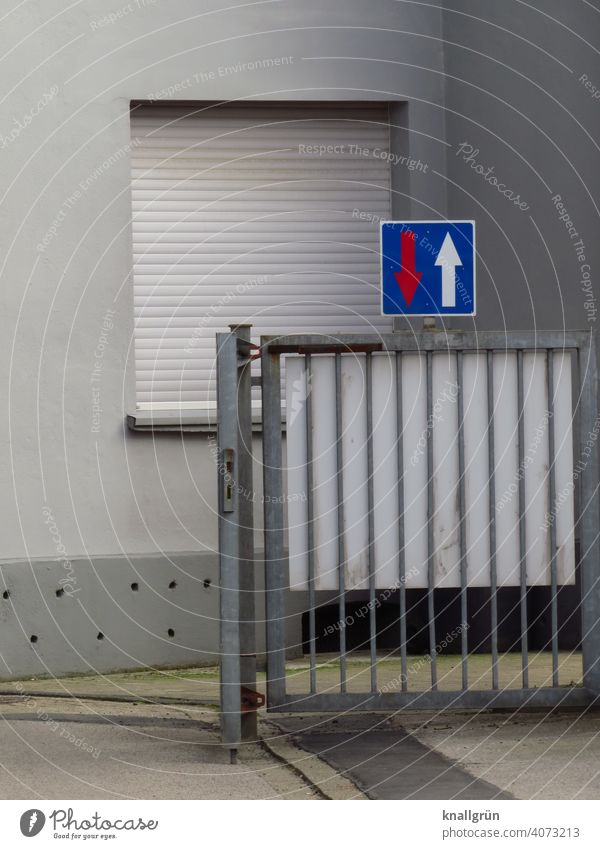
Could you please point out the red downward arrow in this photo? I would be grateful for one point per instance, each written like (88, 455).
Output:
(408, 278)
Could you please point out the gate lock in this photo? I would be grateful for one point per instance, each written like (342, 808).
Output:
(228, 456)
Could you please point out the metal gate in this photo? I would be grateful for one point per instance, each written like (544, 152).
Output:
(397, 693)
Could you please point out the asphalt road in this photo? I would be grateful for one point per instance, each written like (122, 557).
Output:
(386, 762)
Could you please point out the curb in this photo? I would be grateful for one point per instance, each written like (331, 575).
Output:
(325, 781)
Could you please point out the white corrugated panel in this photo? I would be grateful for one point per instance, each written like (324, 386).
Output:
(443, 426)
(251, 213)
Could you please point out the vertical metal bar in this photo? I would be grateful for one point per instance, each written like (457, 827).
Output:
(522, 519)
(401, 530)
(246, 531)
(371, 523)
(492, 518)
(588, 518)
(551, 509)
(340, 520)
(275, 565)
(430, 509)
(310, 528)
(229, 548)
(462, 519)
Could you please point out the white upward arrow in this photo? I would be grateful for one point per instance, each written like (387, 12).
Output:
(448, 258)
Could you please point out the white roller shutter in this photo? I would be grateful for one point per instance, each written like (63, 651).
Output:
(259, 213)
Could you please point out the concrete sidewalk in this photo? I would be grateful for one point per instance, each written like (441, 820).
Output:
(201, 684)
(154, 734)
(532, 754)
(60, 749)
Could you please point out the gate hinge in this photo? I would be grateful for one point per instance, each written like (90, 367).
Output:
(251, 700)
(244, 350)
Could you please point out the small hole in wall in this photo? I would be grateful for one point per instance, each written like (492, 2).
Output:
(33, 638)
(6, 594)
(171, 632)
(172, 585)
(206, 583)
(60, 593)
(135, 586)
(100, 635)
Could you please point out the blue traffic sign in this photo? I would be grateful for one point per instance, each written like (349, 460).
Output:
(428, 268)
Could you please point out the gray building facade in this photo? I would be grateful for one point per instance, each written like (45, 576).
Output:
(110, 533)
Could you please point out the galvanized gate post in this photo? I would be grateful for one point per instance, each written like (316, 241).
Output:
(249, 725)
(590, 518)
(275, 577)
(229, 539)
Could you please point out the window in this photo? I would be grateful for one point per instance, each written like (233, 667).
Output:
(261, 213)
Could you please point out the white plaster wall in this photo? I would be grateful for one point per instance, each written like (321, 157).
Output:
(110, 491)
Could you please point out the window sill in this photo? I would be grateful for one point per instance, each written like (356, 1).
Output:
(183, 421)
